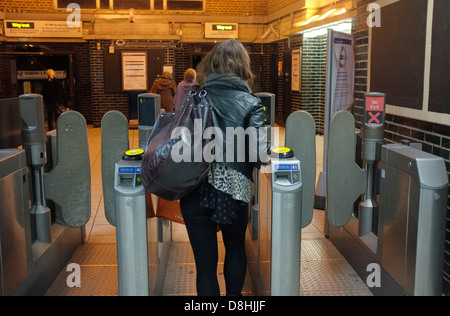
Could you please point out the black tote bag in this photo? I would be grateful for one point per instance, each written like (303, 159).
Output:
(174, 136)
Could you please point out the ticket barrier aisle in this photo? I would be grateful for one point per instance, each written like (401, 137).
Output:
(128, 212)
(404, 232)
(37, 242)
(285, 206)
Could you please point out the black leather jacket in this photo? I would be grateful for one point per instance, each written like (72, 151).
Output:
(234, 107)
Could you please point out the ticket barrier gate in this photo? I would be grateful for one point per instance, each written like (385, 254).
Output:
(285, 206)
(268, 103)
(132, 246)
(115, 142)
(59, 196)
(149, 107)
(128, 195)
(404, 232)
(281, 189)
(143, 243)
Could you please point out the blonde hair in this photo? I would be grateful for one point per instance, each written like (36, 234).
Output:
(190, 75)
(167, 75)
(228, 58)
(50, 73)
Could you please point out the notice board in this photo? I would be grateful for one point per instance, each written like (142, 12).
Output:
(113, 68)
(398, 53)
(134, 71)
(440, 67)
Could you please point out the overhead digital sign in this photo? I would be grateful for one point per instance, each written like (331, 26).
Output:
(221, 30)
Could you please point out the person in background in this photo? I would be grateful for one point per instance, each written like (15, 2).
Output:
(165, 86)
(222, 199)
(183, 88)
(54, 96)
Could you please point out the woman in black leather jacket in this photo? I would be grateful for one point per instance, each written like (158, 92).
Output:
(222, 199)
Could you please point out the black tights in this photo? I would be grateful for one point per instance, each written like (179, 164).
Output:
(202, 233)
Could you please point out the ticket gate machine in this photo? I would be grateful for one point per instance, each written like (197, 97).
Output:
(285, 206)
(132, 247)
(345, 172)
(120, 184)
(411, 234)
(31, 109)
(67, 184)
(286, 199)
(404, 233)
(149, 108)
(268, 103)
(43, 227)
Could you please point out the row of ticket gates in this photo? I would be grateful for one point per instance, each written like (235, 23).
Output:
(390, 210)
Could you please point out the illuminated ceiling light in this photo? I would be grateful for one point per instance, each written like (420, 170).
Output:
(345, 27)
(311, 19)
(341, 11)
(327, 14)
(333, 12)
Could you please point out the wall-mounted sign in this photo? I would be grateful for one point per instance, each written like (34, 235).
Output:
(39, 74)
(296, 70)
(134, 71)
(58, 29)
(221, 30)
(342, 71)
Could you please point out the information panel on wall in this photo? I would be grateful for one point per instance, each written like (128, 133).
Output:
(296, 70)
(339, 94)
(440, 68)
(58, 29)
(134, 71)
(342, 72)
(398, 53)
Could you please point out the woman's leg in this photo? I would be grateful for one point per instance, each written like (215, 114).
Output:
(235, 259)
(203, 237)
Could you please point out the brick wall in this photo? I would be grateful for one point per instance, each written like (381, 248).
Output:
(26, 5)
(274, 5)
(314, 79)
(102, 102)
(279, 92)
(83, 81)
(236, 7)
(297, 97)
(312, 95)
(361, 33)
(213, 7)
(434, 138)
(5, 75)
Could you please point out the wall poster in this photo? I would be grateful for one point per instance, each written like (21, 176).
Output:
(343, 72)
(134, 71)
(296, 70)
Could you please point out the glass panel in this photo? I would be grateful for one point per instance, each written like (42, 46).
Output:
(159, 4)
(84, 4)
(104, 4)
(185, 5)
(135, 4)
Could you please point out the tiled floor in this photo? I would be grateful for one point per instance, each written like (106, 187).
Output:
(324, 270)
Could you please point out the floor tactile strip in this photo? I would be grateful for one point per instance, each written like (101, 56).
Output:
(324, 272)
